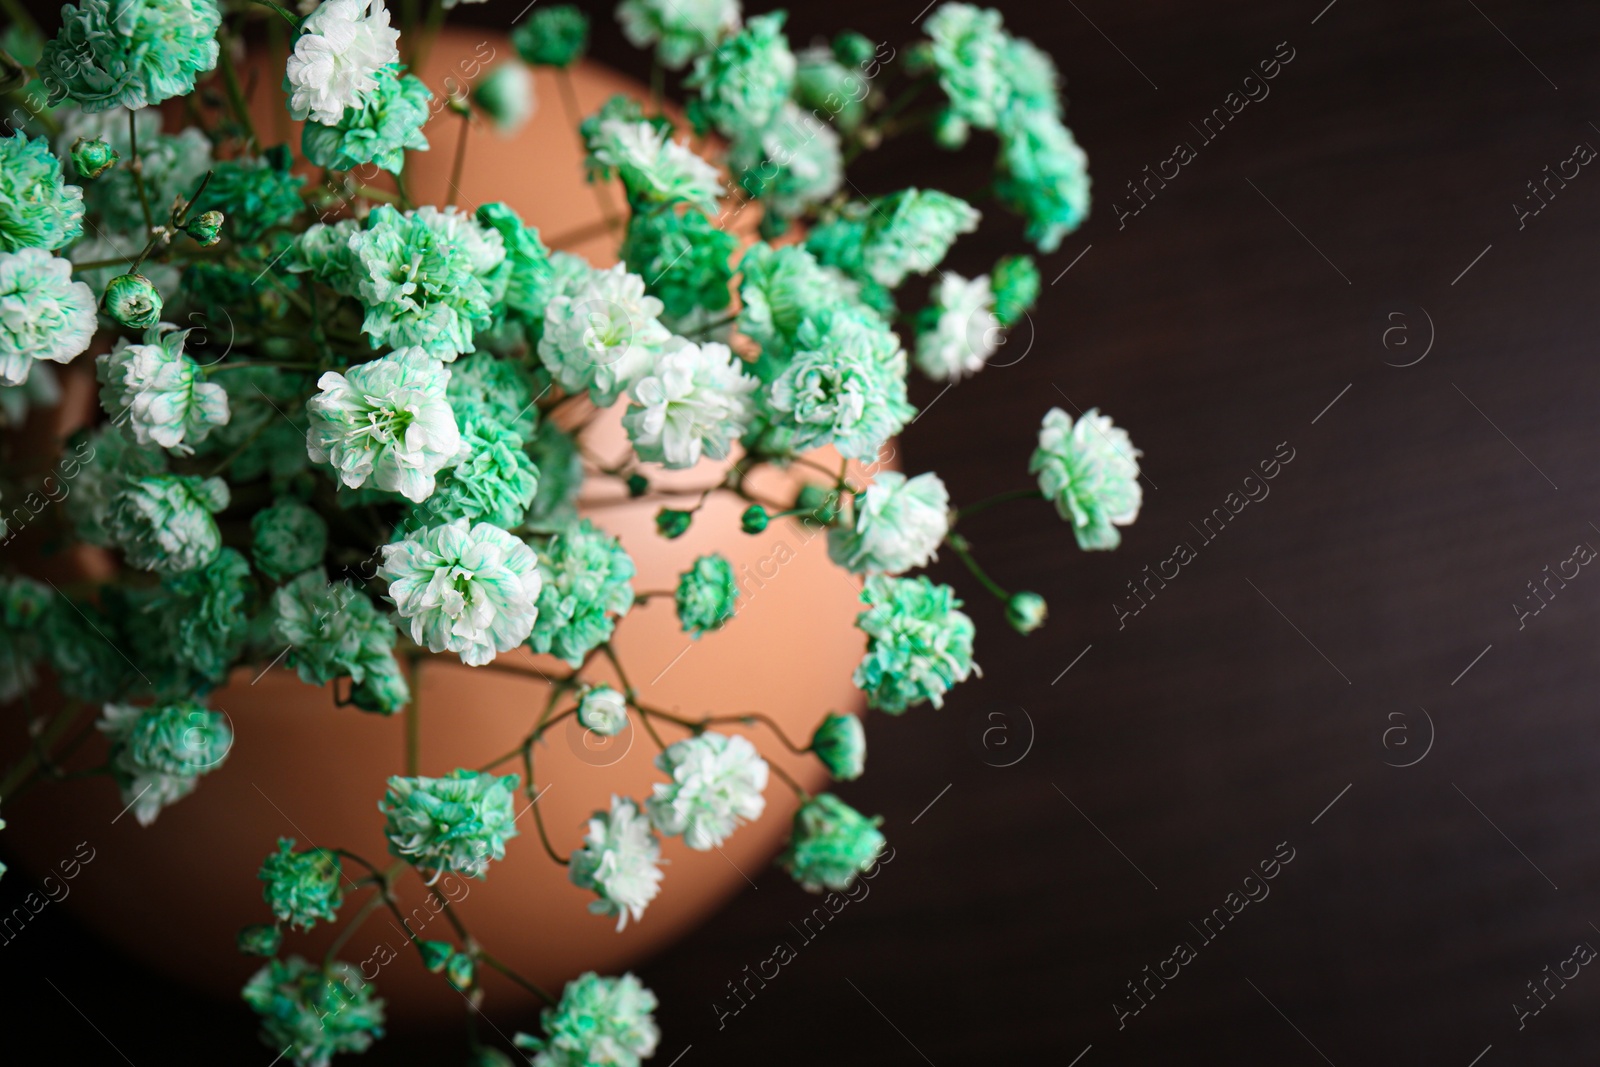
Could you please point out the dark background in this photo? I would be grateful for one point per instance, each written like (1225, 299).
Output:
(1258, 686)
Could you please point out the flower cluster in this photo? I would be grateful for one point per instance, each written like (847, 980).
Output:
(456, 823)
(619, 862)
(302, 887)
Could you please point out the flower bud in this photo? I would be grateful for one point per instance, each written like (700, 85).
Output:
(261, 939)
(435, 954)
(754, 520)
(132, 301)
(205, 228)
(93, 158)
(638, 485)
(505, 95)
(671, 523)
(552, 36)
(459, 971)
(841, 745)
(1026, 612)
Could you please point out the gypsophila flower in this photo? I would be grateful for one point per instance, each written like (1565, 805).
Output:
(533, 275)
(1044, 177)
(846, 384)
(163, 522)
(694, 402)
(706, 595)
(496, 483)
(382, 688)
(468, 588)
(378, 130)
(1090, 470)
(38, 209)
(619, 862)
(205, 228)
(159, 393)
(967, 48)
(827, 88)
(386, 421)
(603, 711)
(79, 646)
(681, 30)
(495, 389)
(302, 887)
(23, 604)
(918, 643)
(586, 574)
(92, 158)
(159, 753)
(196, 624)
(911, 232)
(44, 314)
(841, 744)
(781, 288)
(1026, 612)
(959, 331)
(1015, 283)
(170, 165)
(132, 300)
(744, 82)
(603, 335)
(342, 46)
(312, 1013)
(453, 824)
(332, 630)
(132, 53)
(832, 844)
(552, 36)
(686, 257)
(717, 782)
(654, 168)
(256, 194)
(897, 526)
(505, 95)
(560, 465)
(260, 939)
(113, 460)
(287, 538)
(793, 163)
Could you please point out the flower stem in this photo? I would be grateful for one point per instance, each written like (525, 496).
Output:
(373, 904)
(533, 802)
(602, 190)
(236, 101)
(138, 175)
(962, 550)
(461, 160)
(999, 498)
(517, 978)
(413, 715)
(23, 770)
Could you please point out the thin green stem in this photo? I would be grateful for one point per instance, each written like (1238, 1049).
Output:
(602, 190)
(515, 977)
(999, 498)
(235, 91)
(23, 770)
(533, 802)
(287, 17)
(962, 550)
(137, 167)
(460, 163)
(413, 715)
(373, 904)
(800, 790)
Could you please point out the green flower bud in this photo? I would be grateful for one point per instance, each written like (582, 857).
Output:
(205, 228)
(853, 49)
(505, 95)
(1026, 612)
(950, 130)
(818, 504)
(435, 954)
(459, 971)
(754, 520)
(1015, 283)
(132, 301)
(832, 844)
(671, 523)
(638, 485)
(552, 36)
(261, 939)
(93, 158)
(841, 745)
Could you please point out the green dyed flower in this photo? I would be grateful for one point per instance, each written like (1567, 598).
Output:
(260, 939)
(717, 782)
(845, 386)
(603, 711)
(468, 588)
(486, 387)
(706, 595)
(159, 753)
(1015, 283)
(505, 95)
(387, 422)
(1026, 612)
(599, 1022)
(695, 403)
(673, 523)
(829, 89)
(841, 744)
(832, 843)
(619, 862)
(653, 167)
(333, 630)
(560, 465)
(205, 228)
(266, 433)
(793, 164)
(38, 209)
(312, 1013)
(911, 232)
(745, 81)
(1044, 177)
(44, 314)
(681, 30)
(287, 538)
(382, 688)
(1090, 470)
(780, 289)
(918, 643)
(586, 574)
(554, 36)
(92, 158)
(111, 461)
(159, 393)
(24, 604)
(163, 522)
(198, 622)
(496, 483)
(341, 47)
(968, 44)
(257, 193)
(602, 335)
(302, 887)
(83, 648)
(959, 331)
(685, 256)
(171, 165)
(130, 53)
(898, 525)
(378, 130)
(457, 823)
(132, 300)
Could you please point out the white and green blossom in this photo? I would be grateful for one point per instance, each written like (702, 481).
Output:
(44, 314)
(832, 844)
(471, 589)
(130, 53)
(342, 46)
(603, 711)
(310, 1014)
(717, 782)
(159, 753)
(159, 393)
(959, 331)
(706, 595)
(841, 744)
(38, 208)
(918, 643)
(164, 523)
(505, 95)
(602, 335)
(586, 586)
(897, 525)
(619, 862)
(457, 823)
(387, 421)
(654, 168)
(845, 386)
(695, 402)
(1090, 470)
(681, 30)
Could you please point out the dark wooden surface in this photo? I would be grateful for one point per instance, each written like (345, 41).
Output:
(1257, 687)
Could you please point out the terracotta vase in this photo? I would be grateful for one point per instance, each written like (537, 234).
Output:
(175, 894)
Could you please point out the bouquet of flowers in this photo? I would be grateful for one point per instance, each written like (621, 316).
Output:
(385, 463)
